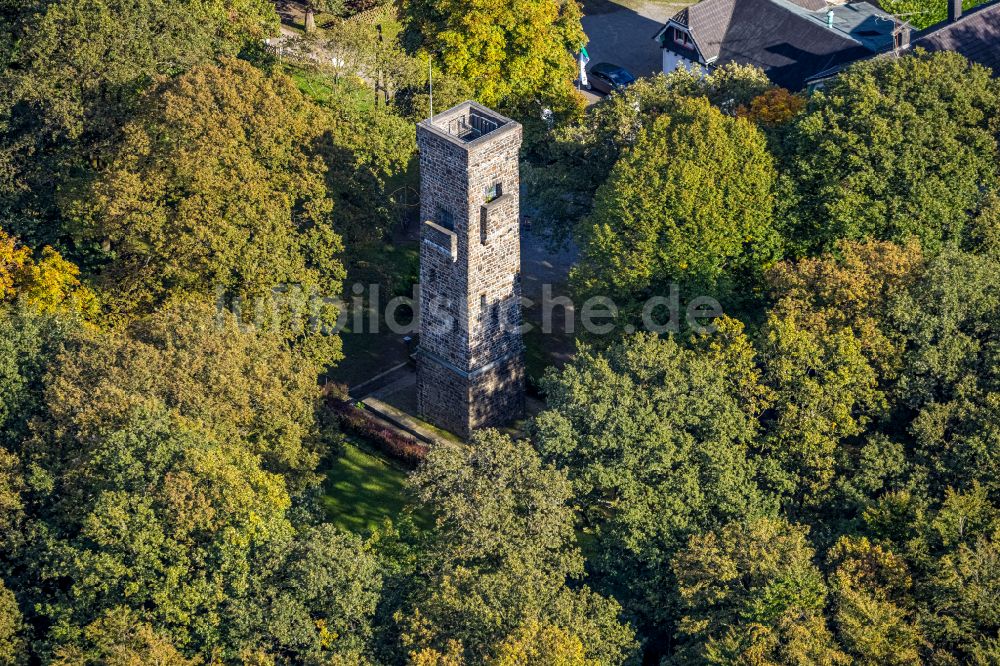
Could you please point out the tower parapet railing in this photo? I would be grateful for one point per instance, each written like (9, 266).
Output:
(468, 122)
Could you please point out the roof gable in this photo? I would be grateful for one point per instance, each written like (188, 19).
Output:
(708, 22)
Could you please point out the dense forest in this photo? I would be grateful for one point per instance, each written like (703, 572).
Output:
(814, 480)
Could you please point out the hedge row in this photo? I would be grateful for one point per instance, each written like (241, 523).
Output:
(407, 450)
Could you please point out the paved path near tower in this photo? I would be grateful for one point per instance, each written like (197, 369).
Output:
(621, 32)
(540, 265)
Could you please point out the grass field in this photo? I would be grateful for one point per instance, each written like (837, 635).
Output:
(362, 490)
(320, 86)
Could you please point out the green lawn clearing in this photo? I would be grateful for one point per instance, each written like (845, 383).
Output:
(322, 86)
(362, 490)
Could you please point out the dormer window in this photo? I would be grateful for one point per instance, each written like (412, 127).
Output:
(681, 38)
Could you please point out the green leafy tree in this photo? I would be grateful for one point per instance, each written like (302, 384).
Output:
(317, 601)
(947, 383)
(656, 439)
(964, 517)
(873, 602)
(75, 62)
(730, 86)
(500, 556)
(514, 54)
(12, 485)
(185, 531)
(962, 610)
(11, 643)
(217, 190)
(894, 148)
(564, 171)
(368, 152)
(29, 342)
(750, 594)
(948, 541)
(246, 385)
(413, 98)
(825, 390)
(690, 201)
(984, 235)
(831, 354)
(120, 638)
(160, 516)
(923, 13)
(157, 506)
(73, 72)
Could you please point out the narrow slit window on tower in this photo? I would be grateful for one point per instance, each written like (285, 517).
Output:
(482, 305)
(482, 225)
(494, 191)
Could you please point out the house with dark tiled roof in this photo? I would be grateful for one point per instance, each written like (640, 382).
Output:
(791, 40)
(975, 34)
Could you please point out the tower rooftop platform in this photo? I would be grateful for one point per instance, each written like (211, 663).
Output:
(468, 124)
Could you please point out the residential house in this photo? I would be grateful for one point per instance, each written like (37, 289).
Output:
(975, 34)
(791, 40)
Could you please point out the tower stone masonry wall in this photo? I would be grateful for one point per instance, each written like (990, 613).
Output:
(470, 364)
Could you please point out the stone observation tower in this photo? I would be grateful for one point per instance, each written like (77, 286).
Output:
(470, 363)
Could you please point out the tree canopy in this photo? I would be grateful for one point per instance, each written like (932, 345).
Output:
(217, 190)
(515, 55)
(895, 148)
(154, 487)
(73, 73)
(501, 556)
(837, 429)
(49, 283)
(690, 201)
(813, 480)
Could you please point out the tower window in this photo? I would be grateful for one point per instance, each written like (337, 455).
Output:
(445, 218)
(494, 191)
(482, 225)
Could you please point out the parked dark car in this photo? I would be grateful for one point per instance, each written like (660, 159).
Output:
(607, 78)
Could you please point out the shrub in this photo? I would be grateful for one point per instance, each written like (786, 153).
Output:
(403, 448)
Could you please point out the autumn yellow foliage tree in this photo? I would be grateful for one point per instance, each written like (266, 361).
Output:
(49, 283)
(512, 53)
(542, 645)
(773, 107)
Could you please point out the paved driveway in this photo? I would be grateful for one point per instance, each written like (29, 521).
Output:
(621, 32)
